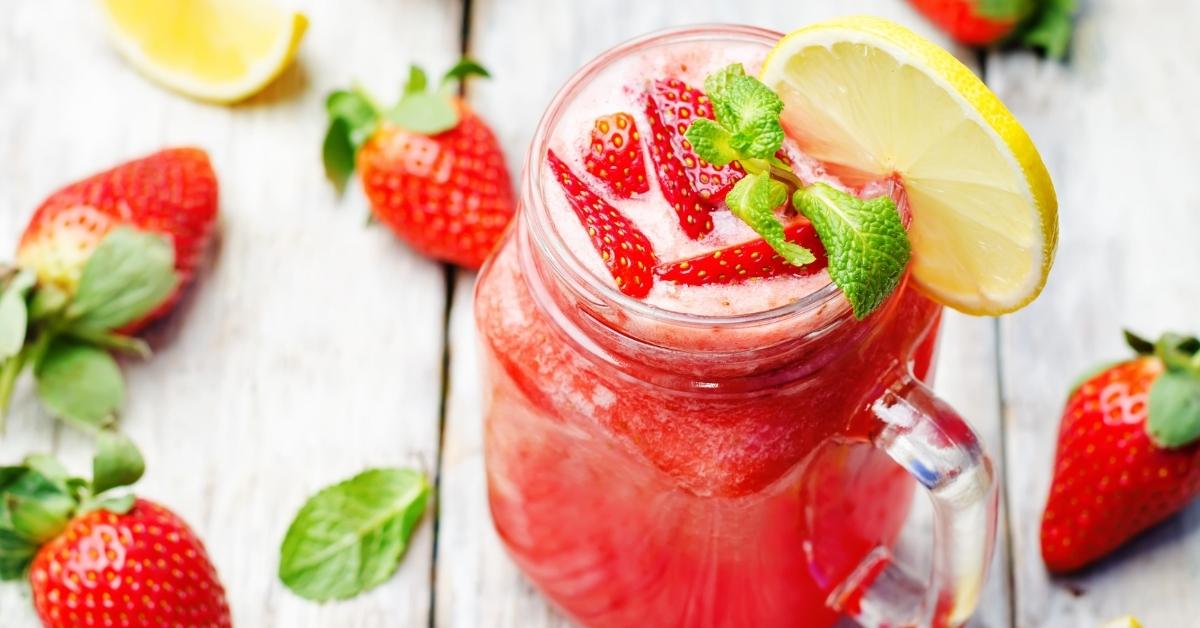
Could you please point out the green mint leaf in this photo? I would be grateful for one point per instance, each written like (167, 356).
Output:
(14, 314)
(79, 383)
(749, 110)
(1174, 409)
(129, 274)
(717, 87)
(350, 537)
(417, 80)
(117, 462)
(16, 552)
(754, 200)
(867, 246)
(760, 138)
(464, 69)
(426, 113)
(711, 142)
(353, 118)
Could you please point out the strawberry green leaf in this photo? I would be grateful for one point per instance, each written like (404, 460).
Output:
(1140, 345)
(711, 142)
(35, 506)
(350, 537)
(353, 118)
(116, 504)
(80, 383)
(1174, 409)
(14, 314)
(117, 462)
(1050, 29)
(754, 200)
(867, 246)
(49, 467)
(417, 80)
(40, 518)
(48, 301)
(1003, 9)
(16, 552)
(338, 152)
(129, 274)
(465, 69)
(425, 112)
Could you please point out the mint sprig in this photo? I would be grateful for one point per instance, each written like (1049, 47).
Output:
(867, 246)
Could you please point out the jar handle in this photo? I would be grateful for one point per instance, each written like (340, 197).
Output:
(925, 436)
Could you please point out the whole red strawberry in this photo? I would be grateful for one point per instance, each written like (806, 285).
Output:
(97, 559)
(431, 168)
(1128, 455)
(100, 259)
(1042, 24)
(172, 193)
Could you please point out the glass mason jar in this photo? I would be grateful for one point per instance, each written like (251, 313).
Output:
(652, 468)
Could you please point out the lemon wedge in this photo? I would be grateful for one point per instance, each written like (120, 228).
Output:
(215, 50)
(874, 100)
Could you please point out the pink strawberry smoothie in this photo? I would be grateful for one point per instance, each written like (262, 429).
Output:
(698, 456)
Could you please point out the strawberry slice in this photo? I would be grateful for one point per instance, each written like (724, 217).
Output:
(675, 106)
(749, 260)
(616, 155)
(671, 168)
(624, 248)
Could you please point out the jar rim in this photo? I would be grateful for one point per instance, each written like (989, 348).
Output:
(552, 246)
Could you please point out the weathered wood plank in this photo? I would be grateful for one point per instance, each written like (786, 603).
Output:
(1117, 128)
(311, 348)
(538, 44)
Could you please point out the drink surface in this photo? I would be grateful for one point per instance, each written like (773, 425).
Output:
(621, 87)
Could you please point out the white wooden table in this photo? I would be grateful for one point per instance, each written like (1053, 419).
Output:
(313, 347)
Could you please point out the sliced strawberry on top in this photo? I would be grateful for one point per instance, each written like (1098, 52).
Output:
(624, 248)
(750, 260)
(676, 105)
(615, 155)
(676, 188)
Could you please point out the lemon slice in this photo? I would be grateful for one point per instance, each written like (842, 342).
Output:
(873, 100)
(216, 50)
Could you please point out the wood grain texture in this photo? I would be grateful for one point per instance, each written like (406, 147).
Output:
(540, 43)
(310, 348)
(1117, 127)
